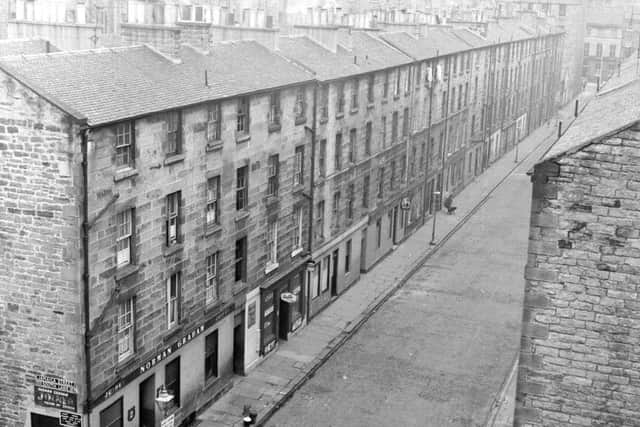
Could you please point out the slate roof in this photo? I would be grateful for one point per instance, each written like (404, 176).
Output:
(438, 41)
(606, 114)
(368, 54)
(113, 84)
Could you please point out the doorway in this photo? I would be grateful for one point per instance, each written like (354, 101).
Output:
(363, 251)
(38, 420)
(334, 273)
(238, 349)
(147, 401)
(251, 349)
(395, 225)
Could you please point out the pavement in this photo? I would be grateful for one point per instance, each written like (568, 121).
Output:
(269, 385)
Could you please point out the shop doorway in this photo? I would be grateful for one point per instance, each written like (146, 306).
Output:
(363, 251)
(38, 420)
(251, 348)
(395, 225)
(334, 273)
(147, 401)
(238, 349)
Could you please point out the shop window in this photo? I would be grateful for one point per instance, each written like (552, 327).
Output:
(211, 355)
(112, 416)
(172, 380)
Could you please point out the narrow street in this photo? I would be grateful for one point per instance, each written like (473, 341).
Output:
(436, 353)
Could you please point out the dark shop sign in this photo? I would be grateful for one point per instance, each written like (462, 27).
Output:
(161, 355)
(55, 392)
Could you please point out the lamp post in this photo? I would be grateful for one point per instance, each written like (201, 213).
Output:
(163, 400)
(435, 214)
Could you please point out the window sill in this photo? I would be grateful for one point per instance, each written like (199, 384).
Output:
(212, 229)
(300, 120)
(297, 188)
(242, 138)
(173, 159)
(297, 252)
(172, 333)
(396, 97)
(385, 101)
(271, 267)
(354, 110)
(126, 271)
(239, 287)
(339, 115)
(214, 146)
(371, 106)
(170, 250)
(124, 174)
(240, 215)
(274, 127)
(128, 362)
(323, 120)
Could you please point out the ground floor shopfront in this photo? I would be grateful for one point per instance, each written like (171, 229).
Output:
(335, 266)
(390, 224)
(195, 367)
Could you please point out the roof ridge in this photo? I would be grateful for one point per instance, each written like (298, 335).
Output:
(70, 53)
(162, 55)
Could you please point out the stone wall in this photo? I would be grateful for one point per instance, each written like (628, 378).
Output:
(40, 250)
(145, 188)
(579, 363)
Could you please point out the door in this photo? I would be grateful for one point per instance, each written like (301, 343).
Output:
(363, 250)
(38, 420)
(252, 328)
(395, 225)
(334, 273)
(238, 349)
(147, 402)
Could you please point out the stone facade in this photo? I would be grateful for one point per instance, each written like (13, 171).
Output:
(145, 186)
(578, 360)
(41, 313)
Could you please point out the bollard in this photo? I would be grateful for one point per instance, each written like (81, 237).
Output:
(559, 128)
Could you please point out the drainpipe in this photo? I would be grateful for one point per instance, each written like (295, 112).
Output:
(85, 268)
(429, 153)
(444, 149)
(312, 188)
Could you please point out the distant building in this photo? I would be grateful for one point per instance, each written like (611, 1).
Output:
(578, 359)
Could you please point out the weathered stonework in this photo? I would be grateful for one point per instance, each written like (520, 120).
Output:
(578, 363)
(40, 250)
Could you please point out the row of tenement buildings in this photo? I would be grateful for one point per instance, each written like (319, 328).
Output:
(166, 220)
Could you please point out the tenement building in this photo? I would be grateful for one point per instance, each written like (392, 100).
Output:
(579, 361)
(167, 220)
(153, 210)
